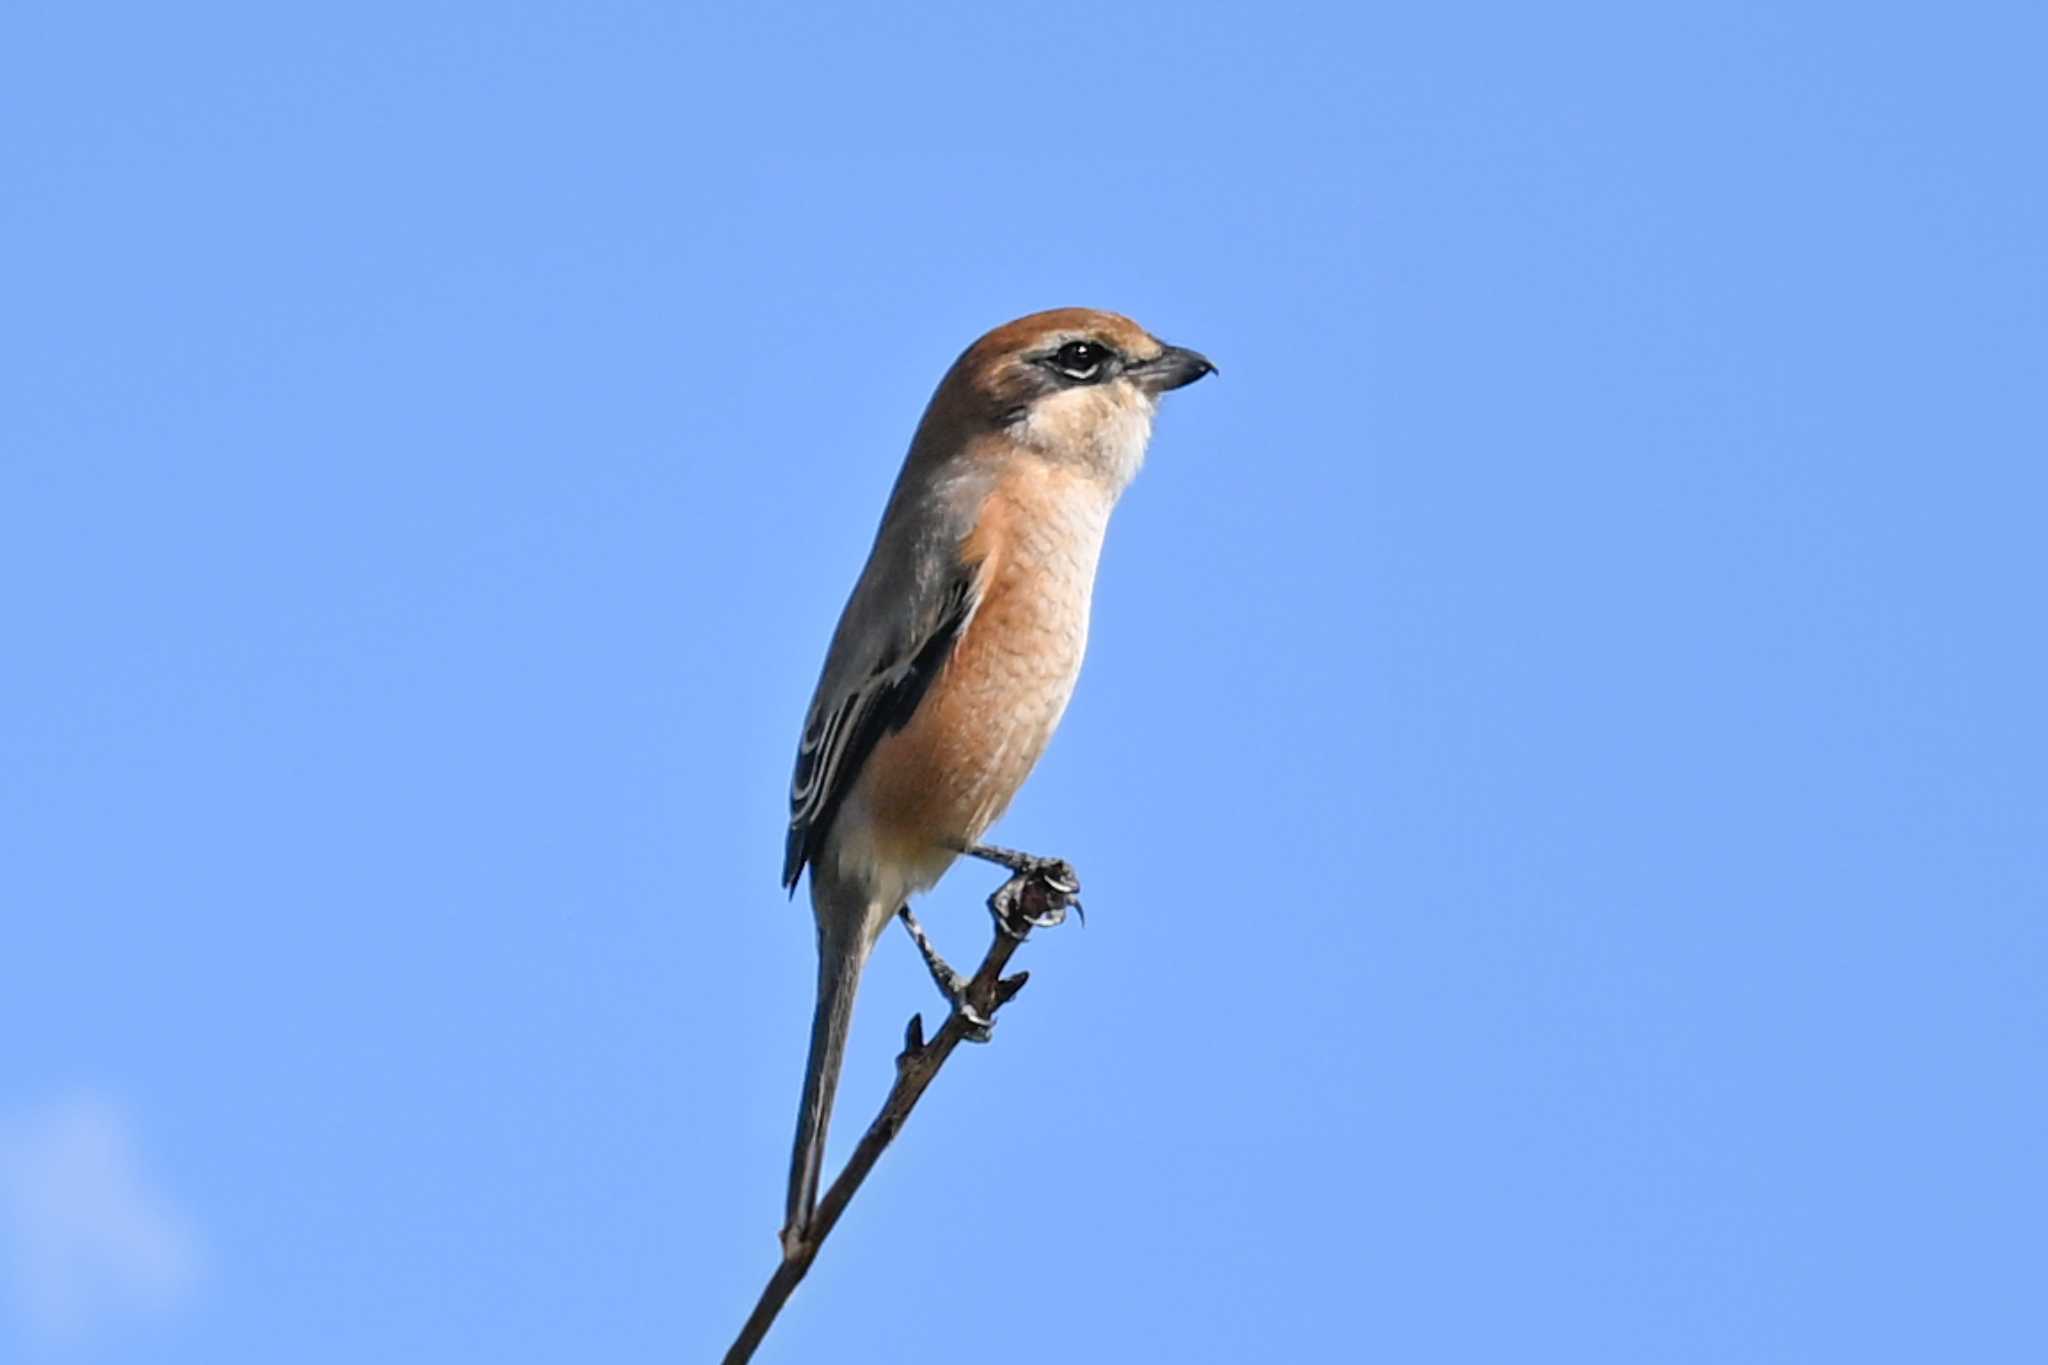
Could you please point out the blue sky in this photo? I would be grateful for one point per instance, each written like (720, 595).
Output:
(1559, 773)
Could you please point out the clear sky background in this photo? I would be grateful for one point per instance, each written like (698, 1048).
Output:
(1559, 774)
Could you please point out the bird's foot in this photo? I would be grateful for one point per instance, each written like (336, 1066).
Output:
(1037, 896)
(951, 983)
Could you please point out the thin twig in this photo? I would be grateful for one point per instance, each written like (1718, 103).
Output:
(1026, 897)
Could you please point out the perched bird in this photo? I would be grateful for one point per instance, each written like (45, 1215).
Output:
(959, 646)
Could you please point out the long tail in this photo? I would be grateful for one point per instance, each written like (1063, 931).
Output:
(840, 958)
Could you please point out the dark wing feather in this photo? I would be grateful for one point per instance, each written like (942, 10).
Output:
(843, 730)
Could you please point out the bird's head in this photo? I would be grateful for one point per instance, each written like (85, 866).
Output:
(1074, 385)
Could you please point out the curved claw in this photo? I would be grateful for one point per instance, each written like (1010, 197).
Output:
(1050, 886)
(1055, 914)
(980, 1028)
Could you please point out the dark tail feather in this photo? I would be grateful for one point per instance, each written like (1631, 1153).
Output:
(839, 968)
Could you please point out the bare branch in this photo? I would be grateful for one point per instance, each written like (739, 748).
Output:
(1039, 895)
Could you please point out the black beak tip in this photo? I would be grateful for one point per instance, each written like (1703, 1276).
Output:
(1178, 367)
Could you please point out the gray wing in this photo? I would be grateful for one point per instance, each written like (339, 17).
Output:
(895, 636)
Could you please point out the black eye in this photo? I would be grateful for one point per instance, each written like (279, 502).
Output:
(1082, 360)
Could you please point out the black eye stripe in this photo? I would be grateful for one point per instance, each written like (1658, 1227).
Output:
(1081, 361)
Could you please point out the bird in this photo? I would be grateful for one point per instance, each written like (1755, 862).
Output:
(959, 647)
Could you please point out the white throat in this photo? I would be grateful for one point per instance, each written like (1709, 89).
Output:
(1099, 429)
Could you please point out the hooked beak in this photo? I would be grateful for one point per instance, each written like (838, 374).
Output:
(1174, 367)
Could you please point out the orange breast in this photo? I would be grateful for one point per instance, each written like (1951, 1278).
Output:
(947, 776)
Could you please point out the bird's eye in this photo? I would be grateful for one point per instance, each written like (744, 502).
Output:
(1081, 360)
